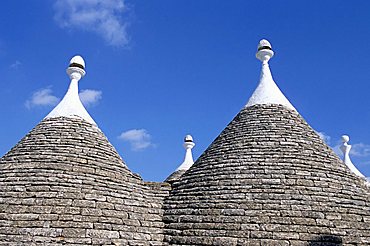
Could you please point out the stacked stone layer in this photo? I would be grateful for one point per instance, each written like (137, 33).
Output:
(268, 179)
(175, 176)
(64, 183)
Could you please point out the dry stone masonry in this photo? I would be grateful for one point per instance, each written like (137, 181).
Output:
(267, 179)
(64, 183)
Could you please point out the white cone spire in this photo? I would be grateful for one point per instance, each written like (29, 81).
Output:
(71, 105)
(188, 160)
(267, 91)
(345, 148)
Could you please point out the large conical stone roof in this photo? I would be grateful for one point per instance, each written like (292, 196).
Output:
(64, 183)
(268, 179)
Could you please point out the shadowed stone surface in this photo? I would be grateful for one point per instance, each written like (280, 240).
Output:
(64, 183)
(268, 179)
(175, 176)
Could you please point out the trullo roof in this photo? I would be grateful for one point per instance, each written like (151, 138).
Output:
(65, 184)
(268, 179)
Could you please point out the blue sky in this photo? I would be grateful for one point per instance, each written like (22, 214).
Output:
(158, 70)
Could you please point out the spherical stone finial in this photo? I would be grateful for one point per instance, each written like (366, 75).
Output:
(345, 139)
(76, 68)
(77, 61)
(188, 142)
(188, 138)
(264, 51)
(264, 44)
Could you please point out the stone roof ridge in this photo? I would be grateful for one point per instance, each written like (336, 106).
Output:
(71, 105)
(267, 91)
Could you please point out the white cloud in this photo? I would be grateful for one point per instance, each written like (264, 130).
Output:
(357, 149)
(103, 17)
(324, 137)
(139, 139)
(327, 139)
(42, 97)
(360, 150)
(90, 97)
(337, 150)
(15, 65)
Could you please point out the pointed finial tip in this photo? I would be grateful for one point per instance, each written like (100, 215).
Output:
(345, 139)
(188, 138)
(264, 51)
(77, 61)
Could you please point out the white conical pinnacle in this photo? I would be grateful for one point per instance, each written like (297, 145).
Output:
(346, 148)
(188, 160)
(267, 92)
(71, 105)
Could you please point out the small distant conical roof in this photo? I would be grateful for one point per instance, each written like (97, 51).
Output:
(268, 179)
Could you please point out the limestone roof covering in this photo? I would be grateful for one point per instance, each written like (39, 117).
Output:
(267, 179)
(64, 183)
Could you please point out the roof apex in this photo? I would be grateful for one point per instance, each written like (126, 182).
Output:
(267, 92)
(71, 105)
(188, 160)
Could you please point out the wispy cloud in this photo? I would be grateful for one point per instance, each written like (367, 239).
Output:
(337, 150)
(357, 149)
(324, 137)
(42, 97)
(139, 139)
(15, 65)
(90, 97)
(360, 150)
(327, 139)
(103, 17)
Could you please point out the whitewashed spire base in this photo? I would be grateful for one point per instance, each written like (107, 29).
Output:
(267, 92)
(71, 105)
(188, 160)
(346, 148)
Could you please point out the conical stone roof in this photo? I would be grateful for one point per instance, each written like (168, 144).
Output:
(268, 179)
(64, 183)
